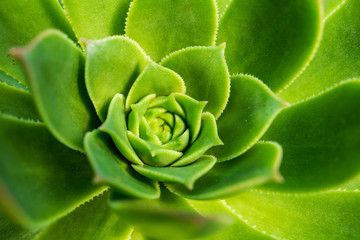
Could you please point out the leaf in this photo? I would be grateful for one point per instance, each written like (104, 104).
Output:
(239, 230)
(250, 110)
(92, 220)
(331, 5)
(321, 140)
(186, 175)
(271, 40)
(336, 59)
(207, 138)
(205, 75)
(5, 78)
(112, 169)
(17, 102)
(11, 231)
(168, 218)
(222, 6)
(112, 65)
(115, 125)
(19, 25)
(36, 185)
(154, 79)
(162, 26)
(332, 215)
(97, 19)
(257, 166)
(56, 67)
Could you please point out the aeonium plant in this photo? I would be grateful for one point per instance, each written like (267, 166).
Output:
(148, 119)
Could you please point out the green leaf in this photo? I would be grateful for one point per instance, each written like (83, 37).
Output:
(112, 169)
(11, 231)
(151, 153)
(92, 220)
(321, 139)
(271, 40)
(56, 67)
(22, 20)
(115, 126)
(332, 215)
(154, 79)
(205, 75)
(186, 175)
(337, 57)
(207, 138)
(239, 230)
(112, 65)
(193, 110)
(168, 218)
(222, 5)
(257, 166)
(17, 102)
(38, 186)
(137, 112)
(331, 5)
(5, 78)
(97, 19)
(162, 26)
(250, 110)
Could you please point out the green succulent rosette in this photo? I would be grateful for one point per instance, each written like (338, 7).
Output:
(159, 119)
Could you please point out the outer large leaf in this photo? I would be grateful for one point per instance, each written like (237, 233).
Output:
(20, 21)
(9, 230)
(5, 78)
(331, 5)
(40, 179)
(92, 220)
(333, 215)
(205, 75)
(337, 57)
(97, 19)
(257, 166)
(240, 230)
(321, 139)
(17, 102)
(162, 26)
(56, 72)
(112, 169)
(170, 217)
(271, 40)
(250, 110)
(112, 65)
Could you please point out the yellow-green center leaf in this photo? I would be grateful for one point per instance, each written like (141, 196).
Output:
(111, 169)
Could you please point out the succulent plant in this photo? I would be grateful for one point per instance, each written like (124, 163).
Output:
(169, 119)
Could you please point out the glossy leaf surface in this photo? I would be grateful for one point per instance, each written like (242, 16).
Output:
(169, 218)
(332, 215)
(17, 102)
(260, 42)
(112, 169)
(337, 58)
(112, 65)
(205, 75)
(162, 26)
(250, 110)
(321, 140)
(257, 166)
(97, 19)
(20, 22)
(38, 186)
(56, 72)
(92, 220)
(186, 175)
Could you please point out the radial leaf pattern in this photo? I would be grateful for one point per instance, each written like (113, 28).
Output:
(172, 110)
